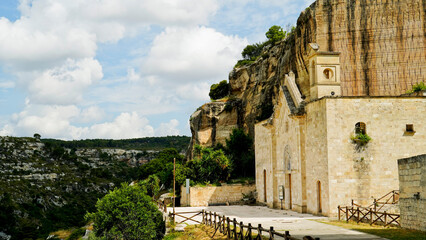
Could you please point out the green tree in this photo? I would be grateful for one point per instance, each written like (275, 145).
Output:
(219, 90)
(239, 148)
(152, 184)
(210, 166)
(251, 52)
(127, 213)
(275, 34)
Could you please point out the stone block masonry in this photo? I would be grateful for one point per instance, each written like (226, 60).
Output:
(412, 183)
(214, 195)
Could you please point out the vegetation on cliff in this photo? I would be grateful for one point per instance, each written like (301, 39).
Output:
(253, 51)
(219, 90)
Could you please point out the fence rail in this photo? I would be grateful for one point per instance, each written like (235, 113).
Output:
(367, 215)
(233, 229)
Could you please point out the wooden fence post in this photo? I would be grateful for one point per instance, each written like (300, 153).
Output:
(347, 213)
(235, 229)
(259, 230)
(357, 213)
(249, 232)
(375, 203)
(287, 234)
(338, 210)
(371, 216)
(242, 230)
(386, 222)
(228, 228)
(223, 225)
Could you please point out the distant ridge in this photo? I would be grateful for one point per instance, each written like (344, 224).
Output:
(180, 143)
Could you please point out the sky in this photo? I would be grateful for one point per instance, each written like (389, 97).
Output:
(120, 69)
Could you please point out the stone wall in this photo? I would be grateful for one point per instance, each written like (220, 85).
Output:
(371, 171)
(212, 195)
(412, 180)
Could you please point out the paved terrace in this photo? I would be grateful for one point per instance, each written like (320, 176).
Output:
(298, 224)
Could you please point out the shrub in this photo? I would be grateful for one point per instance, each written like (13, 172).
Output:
(361, 139)
(421, 86)
(219, 90)
(127, 213)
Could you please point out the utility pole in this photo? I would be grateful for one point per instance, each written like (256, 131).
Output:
(174, 188)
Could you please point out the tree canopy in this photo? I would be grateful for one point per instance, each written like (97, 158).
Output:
(239, 148)
(275, 34)
(219, 90)
(127, 213)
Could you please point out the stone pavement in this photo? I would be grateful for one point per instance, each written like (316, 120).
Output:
(298, 224)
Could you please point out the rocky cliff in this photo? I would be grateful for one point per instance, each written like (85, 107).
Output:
(382, 47)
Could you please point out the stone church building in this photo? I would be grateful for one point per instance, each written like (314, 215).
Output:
(360, 58)
(307, 155)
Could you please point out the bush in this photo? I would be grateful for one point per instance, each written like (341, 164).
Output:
(209, 165)
(127, 213)
(219, 90)
(361, 139)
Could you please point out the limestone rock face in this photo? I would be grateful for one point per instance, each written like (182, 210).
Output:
(382, 47)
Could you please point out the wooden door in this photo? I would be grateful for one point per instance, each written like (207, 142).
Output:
(319, 200)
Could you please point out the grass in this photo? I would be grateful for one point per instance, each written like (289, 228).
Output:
(202, 232)
(393, 233)
(195, 232)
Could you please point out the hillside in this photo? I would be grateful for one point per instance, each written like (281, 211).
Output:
(45, 187)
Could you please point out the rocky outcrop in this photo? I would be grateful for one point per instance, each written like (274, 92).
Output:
(382, 47)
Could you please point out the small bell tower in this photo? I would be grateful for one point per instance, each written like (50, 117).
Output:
(324, 73)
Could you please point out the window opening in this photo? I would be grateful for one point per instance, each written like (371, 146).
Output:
(360, 128)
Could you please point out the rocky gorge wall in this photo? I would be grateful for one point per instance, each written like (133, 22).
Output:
(382, 47)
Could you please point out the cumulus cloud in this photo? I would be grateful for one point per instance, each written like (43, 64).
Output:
(186, 55)
(62, 85)
(60, 122)
(168, 129)
(126, 125)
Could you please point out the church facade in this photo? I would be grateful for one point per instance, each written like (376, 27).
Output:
(326, 150)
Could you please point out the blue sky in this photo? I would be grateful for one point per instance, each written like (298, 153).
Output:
(121, 68)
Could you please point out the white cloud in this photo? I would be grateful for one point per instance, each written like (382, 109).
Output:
(126, 125)
(185, 55)
(23, 46)
(52, 121)
(59, 122)
(64, 84)
(168, 129)
(90, 114)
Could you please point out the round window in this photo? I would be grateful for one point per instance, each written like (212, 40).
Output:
(328, 74)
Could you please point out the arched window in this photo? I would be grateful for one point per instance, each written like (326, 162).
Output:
(360, 128)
